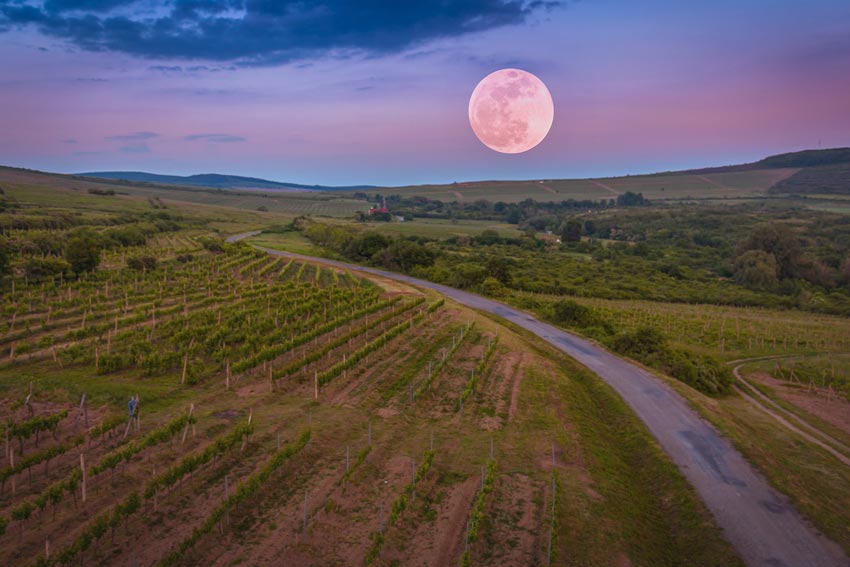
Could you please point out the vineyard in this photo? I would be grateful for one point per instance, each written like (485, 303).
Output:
(288, 413)
(726, 332)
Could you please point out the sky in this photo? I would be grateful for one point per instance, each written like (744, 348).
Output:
(342, 92)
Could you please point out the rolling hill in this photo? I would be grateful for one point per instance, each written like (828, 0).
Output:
(214, 180)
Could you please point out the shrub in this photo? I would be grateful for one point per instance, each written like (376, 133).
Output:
(142, 263)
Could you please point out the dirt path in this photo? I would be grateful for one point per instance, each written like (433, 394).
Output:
(785, 417)
(606, 187)
(712, 182)
(762, 525)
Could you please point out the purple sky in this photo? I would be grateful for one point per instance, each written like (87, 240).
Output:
(381, 98)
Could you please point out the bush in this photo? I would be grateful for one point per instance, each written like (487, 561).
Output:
(37, 268)
(211, 244)
(649, 346)
(142, 263)
(83, 252)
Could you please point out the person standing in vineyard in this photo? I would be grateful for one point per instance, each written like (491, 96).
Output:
(131, 406)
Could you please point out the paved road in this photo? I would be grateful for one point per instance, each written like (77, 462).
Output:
(759, 522)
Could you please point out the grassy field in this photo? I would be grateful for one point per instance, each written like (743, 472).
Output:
(290, 241)
(656, 187)
(38, 188)
(726, 332)
(437, 228)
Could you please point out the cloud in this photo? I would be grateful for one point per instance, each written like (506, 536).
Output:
(69, 141)
(215, 138)
(259, 32)
(140, 148)
(133, 137)
(166, 68)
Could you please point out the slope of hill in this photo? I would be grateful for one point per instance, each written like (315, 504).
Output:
(832, 179)
(214, 180)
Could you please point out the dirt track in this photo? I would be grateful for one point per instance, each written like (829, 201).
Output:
(761, 524)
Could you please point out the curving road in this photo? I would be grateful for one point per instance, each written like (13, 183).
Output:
(760, 523)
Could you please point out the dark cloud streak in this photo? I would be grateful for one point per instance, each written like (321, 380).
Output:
(259, 32)
(215, 138)
(134, 137)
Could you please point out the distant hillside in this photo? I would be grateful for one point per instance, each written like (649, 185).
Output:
(832, 179)
(807, 158)
(215, 180)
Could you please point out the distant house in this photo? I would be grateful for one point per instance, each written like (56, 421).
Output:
(382, 209)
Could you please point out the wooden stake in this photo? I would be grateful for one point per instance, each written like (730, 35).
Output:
(185, 367)
(186, 429)
(83, 470)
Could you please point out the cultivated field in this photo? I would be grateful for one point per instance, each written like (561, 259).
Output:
(657, 187)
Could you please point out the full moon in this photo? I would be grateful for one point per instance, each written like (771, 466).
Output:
(511, 111)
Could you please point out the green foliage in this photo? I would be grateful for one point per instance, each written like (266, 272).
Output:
(648, 345)
(780, 242)
(141, 263)
(370, 347)
(41, 268)
(569, 313)
(479, 370)
(5, 265)
(423, 387)
(476, 513)
(358, 460)
(243, 492)
(194, 462)
(83, 252)
(398, 506)
(757, 269)
(39, 457)
(25, 429)
(571, 231)
(155, 437)
(211, 244)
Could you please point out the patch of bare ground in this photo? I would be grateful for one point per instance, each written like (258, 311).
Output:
(339, 520)
(517, 375)
(500, 379)
(516, 532)
(816, 401)
(444, 396)
(103, 492)
(439, 542)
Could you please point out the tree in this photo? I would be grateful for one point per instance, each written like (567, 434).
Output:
(5, 266)
(141, 263)
(83, 253)
(782, 243)
(845, 271)
(571, 232)
(37, 268)
(499, 269)
(629, 199)
(757, 269)
(488, 237)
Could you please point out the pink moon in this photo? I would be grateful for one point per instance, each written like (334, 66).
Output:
(511, 111)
